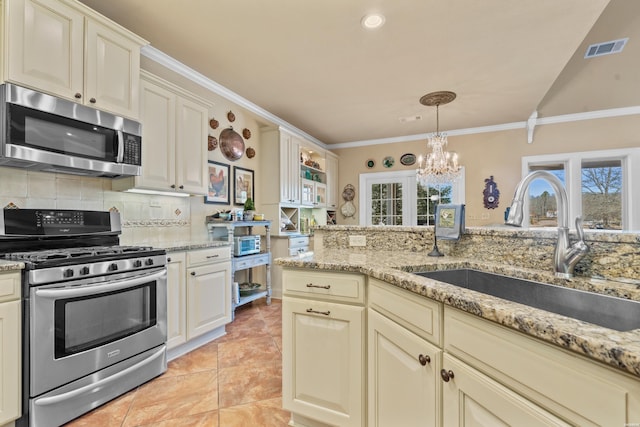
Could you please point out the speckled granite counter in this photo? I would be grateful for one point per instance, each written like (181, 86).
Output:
(618, 349)
(190, 245)
(10, 265)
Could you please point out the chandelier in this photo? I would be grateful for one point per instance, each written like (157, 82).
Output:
(439, 166)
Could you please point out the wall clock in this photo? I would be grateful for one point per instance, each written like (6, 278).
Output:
(491, 193)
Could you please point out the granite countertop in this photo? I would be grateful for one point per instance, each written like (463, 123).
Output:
(614, 348)
(191, 245)
(10, 265)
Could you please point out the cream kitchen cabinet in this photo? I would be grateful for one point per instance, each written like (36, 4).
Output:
(403, 386)
(208, 290)
(473, 399)
(198, 294)
(10, 345)
(176, 299)
(313, 194)
(174, 135)
(331, 167)
(66, 49)
(281, 156)
(403, 376)
(323, 333)
(494, 371)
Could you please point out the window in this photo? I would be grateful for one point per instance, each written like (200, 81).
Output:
(599, 189)
(395, 198)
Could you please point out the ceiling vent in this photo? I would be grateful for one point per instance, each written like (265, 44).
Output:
(410, 119)
(606, 48)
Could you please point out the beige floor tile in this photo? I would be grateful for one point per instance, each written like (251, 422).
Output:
(201, 359)
(244, 384)
(207, 419)
(247, 352)
(265, 413)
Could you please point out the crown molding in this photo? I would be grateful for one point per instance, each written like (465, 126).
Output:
(188, 72)
(178, 67)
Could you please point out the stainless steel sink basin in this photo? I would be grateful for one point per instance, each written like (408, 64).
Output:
(611, 312)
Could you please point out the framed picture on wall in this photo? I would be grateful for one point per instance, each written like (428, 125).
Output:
(243, 186)
(218, 186)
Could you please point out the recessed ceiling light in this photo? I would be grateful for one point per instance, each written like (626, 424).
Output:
(372, 21)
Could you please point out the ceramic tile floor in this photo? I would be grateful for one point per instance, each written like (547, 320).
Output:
(235, 380)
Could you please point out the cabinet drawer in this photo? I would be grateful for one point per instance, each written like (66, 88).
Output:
(209, 255)
(418, 314)
(345, 287)
(9, 286)
(240, 263)
(297, 251)
(298, 241)
(577, 389)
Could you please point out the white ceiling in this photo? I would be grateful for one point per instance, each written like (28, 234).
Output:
(311, 64)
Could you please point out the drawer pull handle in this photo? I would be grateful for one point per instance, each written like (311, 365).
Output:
(424, 359)
(213, 256)
(446, 375)
(311, 285)
(311, 310)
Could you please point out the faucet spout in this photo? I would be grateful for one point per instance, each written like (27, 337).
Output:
(565, 256)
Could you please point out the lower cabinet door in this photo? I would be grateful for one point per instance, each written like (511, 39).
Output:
(208, 298)
(176, 299)
(323, 361)
(470, 398)
(403, 376)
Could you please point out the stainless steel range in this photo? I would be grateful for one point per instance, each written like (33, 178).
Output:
(94, 312)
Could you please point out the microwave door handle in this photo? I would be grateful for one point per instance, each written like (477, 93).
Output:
(98, 289)
(120, 157)
(44, 401)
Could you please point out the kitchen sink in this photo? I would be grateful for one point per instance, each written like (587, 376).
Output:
(603, 310)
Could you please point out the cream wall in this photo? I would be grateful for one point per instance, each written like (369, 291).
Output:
(496, 153)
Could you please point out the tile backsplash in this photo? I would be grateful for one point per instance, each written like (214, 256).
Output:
(146, 219)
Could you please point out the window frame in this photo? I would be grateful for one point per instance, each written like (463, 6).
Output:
(630, 162)
(409, 192)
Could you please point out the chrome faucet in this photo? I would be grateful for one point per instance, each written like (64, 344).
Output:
(565, 256)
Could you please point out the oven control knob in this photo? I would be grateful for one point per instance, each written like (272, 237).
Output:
(67, 273)
(112, 267)
(84, 271)
(137, 263)
(149, 261)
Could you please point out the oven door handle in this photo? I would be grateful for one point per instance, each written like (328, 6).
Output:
(45, 401)
(98, 289)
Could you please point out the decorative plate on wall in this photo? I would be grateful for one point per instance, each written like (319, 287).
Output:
(213, 123)
(371, 163)
(388, 162)
(231, 117)
(408, 159)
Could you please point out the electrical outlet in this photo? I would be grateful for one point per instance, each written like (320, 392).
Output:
(357, 240)
(154, 204)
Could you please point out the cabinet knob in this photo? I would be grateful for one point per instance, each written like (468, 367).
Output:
(181, 187)
(92, 100)
(78, 95)
(173, 186)
(424, 359)
(193, 273)
(446, 375)
(168, 259)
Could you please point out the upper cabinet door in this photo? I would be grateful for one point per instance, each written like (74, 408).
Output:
(191, 146)
(45, 46)
(112, 70)
(158, 115)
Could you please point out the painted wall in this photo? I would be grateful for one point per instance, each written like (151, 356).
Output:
(496, 153)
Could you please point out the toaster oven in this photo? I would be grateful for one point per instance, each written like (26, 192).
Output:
(246, 245)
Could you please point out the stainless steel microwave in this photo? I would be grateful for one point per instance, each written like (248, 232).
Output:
(45, 133)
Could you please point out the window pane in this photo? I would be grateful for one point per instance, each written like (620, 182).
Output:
(386, 204)
(425, 206)
(543, 211)
(602, 194)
